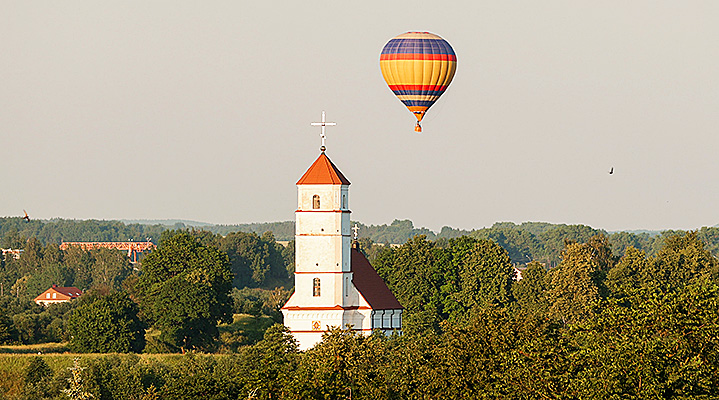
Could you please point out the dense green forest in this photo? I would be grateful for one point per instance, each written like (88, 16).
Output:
(529, 241)
(596, 315)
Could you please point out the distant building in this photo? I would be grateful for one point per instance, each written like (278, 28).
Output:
(14, 253)
(335, 285)
(133, 249)
(57, 294)
(518, 271)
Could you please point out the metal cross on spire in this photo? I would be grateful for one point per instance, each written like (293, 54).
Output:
(355, 229)
(323, 124)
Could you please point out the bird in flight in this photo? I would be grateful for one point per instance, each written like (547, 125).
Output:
(26, 217)
(611, 171)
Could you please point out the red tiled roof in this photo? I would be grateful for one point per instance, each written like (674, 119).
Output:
(370, 285)
(68, 291)
(323, 172)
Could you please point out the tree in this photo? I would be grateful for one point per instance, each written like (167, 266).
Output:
(710, 236)
(183, 311)
(398, 232)
(497, 355)
(414, 272)
(31, 258)
(37, 377)
(198, 376)
(682, 260)
(483, 274)
(629, 274)
(270, 364)
(110, 267)
(7, 329)
(80, 262)
(107, 324)
(521, 245)
(255, 260)
(51, 272)
(37, 370)
(650, 345)
(572, 290)
(622, 241)
(77, 391)
(184, 291)
(345, 364)
(530, 292)
(555, 239)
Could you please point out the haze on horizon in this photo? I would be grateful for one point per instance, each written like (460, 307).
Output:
(202, 111)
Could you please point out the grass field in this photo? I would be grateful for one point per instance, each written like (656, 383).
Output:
(13, 366)
(15, 359)
(42, 348)
(253, 328)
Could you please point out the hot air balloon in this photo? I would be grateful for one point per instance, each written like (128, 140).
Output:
(418, 67)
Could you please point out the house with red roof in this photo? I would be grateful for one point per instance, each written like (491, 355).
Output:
(57, 294)
(335, 284)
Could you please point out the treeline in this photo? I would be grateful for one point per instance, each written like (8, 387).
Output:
(14, 231)
(543, 242)
(536, 241)
(525, 242)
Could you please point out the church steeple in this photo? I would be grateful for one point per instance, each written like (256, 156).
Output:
(326, 292)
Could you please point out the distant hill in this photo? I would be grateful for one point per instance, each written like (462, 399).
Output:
(283, 230)
(640, 231)
(165, 222)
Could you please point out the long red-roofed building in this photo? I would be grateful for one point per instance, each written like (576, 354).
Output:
(132, 248)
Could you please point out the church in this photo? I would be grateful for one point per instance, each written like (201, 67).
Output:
(335, 285)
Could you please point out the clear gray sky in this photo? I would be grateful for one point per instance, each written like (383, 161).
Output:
(202, 110)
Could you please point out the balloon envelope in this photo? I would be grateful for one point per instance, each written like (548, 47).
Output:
(418, 67)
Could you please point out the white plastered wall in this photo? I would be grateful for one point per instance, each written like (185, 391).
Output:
(322, 250)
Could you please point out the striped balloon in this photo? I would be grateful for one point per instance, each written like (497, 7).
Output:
(418, 67)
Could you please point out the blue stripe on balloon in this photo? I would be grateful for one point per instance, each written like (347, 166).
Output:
(418, 92)
(417, 103)
(421, 46)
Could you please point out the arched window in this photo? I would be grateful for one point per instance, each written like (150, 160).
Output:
(315, 201)
(344, 201)
(316, 287)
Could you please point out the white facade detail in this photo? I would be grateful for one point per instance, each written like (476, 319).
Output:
(322, 251)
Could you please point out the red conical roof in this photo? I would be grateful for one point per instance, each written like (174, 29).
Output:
(323, 172)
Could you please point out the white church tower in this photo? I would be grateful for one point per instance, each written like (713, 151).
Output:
(335, 285)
